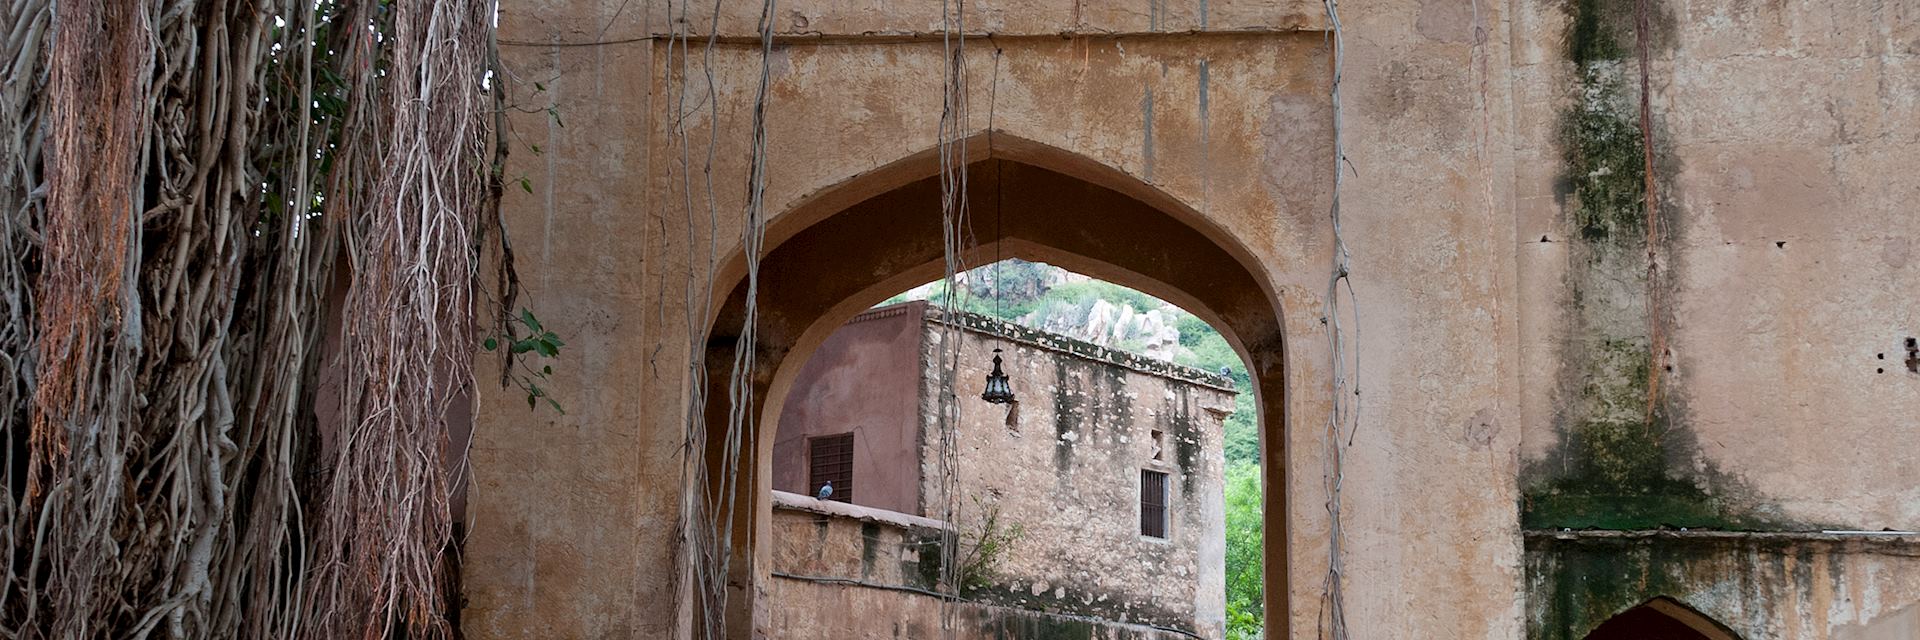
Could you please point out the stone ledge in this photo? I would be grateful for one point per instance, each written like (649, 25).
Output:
(1055, 342)
(797, 502)
(1904, 543)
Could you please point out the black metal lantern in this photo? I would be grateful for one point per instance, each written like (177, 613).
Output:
(998, 390)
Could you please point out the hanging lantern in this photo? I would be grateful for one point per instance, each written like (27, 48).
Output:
(998, 390)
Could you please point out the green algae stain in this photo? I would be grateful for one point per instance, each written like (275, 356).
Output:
(1605, 167)
(1578, 584)
(1619, 465)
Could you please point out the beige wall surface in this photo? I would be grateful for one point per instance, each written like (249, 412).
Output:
(1501, 278)
(1783, 140)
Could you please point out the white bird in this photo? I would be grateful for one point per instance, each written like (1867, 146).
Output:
(826, 491)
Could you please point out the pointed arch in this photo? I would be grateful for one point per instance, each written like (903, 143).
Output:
(852, 245)
(1661, 618)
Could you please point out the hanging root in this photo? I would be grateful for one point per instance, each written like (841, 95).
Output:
(166, 258)
(408, 333)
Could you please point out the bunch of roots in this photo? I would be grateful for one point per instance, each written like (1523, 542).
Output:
(239, 259)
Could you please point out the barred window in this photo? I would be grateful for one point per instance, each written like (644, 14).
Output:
(1153, 504)
(830, 459)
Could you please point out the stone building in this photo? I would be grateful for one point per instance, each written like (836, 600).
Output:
(1103, 483)
(1632, 307)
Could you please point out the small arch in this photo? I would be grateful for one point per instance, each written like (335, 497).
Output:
(1661, 618)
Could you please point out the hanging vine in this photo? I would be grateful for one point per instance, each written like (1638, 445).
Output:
(1343, 420)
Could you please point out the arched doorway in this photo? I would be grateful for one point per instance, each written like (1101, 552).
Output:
(1661, 619)
(856, 244)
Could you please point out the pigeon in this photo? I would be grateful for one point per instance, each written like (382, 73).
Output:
(826, 491)
(1226, 371)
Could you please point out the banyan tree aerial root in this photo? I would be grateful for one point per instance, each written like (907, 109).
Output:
(238, 258)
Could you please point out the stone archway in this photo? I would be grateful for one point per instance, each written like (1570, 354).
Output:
(1661, 618)
(856, 244)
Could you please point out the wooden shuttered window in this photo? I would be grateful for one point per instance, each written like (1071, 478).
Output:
(830, 459)
(1153, 504)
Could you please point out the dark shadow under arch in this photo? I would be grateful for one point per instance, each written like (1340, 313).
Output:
(823, 268)
(1661, 618)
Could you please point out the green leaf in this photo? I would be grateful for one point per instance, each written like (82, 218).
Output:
(550, 337)
(556, 406)
(526, 185)
(546, 370)
(556, 117)
(536, 149)
(526, 317)
(532, 403)
(546, 348)
(521, 346)
(539, 87)
(490, 344)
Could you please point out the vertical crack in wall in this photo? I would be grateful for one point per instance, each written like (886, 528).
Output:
(1626, 458)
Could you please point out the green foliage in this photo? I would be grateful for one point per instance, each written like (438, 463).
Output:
(1193, 330)
(986, 546)
(1014, 281)
(1091, 290)
(1244, 588)
(520, 366)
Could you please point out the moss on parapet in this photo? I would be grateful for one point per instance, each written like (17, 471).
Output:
(1577, 580)
(1580, 584)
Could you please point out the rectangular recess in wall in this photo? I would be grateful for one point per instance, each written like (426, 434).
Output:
(830, 459)
(1153, 504)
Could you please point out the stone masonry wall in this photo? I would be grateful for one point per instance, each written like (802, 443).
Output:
(1065, 467)
(842, 572)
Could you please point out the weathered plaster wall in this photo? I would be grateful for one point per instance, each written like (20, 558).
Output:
(1772, 586)
(1065, 468)
(824, 539)
(1219, 109)
(866, 381)
(1771, 326)
(1785, 147)
(842, 572)
(1778, 311)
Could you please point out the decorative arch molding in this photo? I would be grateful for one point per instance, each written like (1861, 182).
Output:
(848, 247)
(1661, 618)
(834, 198)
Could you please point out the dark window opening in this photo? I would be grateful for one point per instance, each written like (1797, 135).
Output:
(1153, 504)
(830, 459)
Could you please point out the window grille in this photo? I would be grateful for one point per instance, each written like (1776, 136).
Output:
(1153, 504)
(830, 459)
